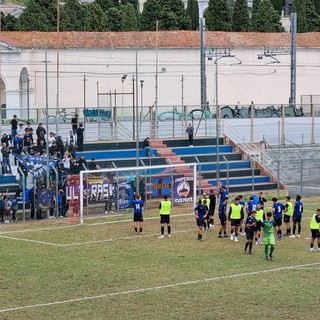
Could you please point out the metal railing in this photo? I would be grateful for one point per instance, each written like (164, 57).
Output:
(254, 153)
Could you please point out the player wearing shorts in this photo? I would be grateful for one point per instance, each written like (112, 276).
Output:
(315, 232)
(260, 217)
(236, 216)
(206, 220)
(288, 213)
(212, 207)
(297, 217)
(249, 227)
(201, 212)
(243, 204)
(165, 210)
(223, 218)
(138, 214)
(268, 236)
(277, 210)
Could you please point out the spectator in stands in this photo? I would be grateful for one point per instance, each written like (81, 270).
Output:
(27, 139)
(60, 147)
(66, 162)
(5, 139)
(32, 150)
(53, 148)
(62, 203)
(18, 139)
(5, 158)
(14, 127)
(74, 124)
(72, 148)
(110, 174)
(51, 138)
(190, 134)
(40, 132)
(2, 206)
(92, 164)
(1, 158)
(71, 137)
(74, 165)
(146, 146)
(41, 148)
(25, 173)
(29, 128)
(80, 137)
(82, 162)
(7, 208)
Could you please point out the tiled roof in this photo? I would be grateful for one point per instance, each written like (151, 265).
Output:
(148, 39)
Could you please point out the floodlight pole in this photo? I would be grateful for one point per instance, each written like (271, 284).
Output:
(47, 113)
(137, 124)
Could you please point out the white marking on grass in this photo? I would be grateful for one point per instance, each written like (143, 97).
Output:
(87, 225)
(34, 241)
(161, 287)
(93, 241)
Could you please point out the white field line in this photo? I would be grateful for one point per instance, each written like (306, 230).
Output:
(161, 287)
(88, 225)
(30, 240)
(93, 241)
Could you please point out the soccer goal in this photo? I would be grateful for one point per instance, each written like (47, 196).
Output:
(111, 190)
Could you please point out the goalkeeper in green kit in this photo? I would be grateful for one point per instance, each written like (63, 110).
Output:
(268, 236)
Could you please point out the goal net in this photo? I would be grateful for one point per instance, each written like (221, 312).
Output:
(112, 190)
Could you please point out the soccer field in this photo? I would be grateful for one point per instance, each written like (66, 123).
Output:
(102, 270)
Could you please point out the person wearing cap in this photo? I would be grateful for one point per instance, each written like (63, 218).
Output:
(236, 216)
(249, 228)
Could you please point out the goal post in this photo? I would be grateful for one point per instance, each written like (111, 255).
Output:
(112, 190)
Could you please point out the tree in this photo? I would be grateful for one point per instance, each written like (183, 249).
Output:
(168, 20)
(317, 5)
(115, 19)
(313, 19)
(135, 3)
(130, 19)
(8, 22)
(193, 13)
(268, 19)
(254, 14)
(95, 19)
(105, 5)
(34, 18)
(152, 11)
(72, 16)
(299, 6)
(240, 18)
(218, 16)
(278, 5)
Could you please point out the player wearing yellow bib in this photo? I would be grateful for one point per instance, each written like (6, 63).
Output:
(315, 232)
(288, 213)
(207, 219)
(236, 216)
(260, 217)
(165, 210)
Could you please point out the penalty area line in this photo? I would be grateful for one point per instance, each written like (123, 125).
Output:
(160, 287)
(33, 241)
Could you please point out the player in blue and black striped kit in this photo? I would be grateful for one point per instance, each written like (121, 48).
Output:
(137, 214)
(297, 217)
(201, 212)
(277, 210)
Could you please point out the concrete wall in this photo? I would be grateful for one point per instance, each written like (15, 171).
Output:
(290, 163)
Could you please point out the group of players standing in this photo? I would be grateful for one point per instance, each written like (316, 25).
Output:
(256, 226)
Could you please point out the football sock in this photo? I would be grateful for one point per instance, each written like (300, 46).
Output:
(140, 229)
(204, 225)
(246, 247)
(162, 230)
(311, 245)
(299, 229)
(136, 229)
(272, 249)
(266, 250)
(211, 221)
(280, 233)
(256, 239)
(225, 232)
(294, 229)
(240, 230)
(169, 229)
(236, 234)
(250, 246)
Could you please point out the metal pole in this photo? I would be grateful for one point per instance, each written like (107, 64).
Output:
(251, 122)
(47, 113)
(58, 66)
(23, 193)
(283, 142)
(28, 97)
(133, 109)
(312, 124)
(278, 165)
(156, 80)
(217, 118)
(57, 190)
(137, 125)
(84, 91)
(301, 173)
(293, 67)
